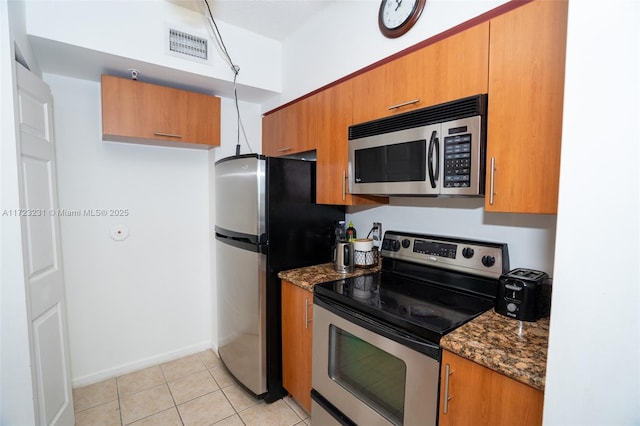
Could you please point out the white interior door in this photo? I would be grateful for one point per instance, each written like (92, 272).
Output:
(42, 252)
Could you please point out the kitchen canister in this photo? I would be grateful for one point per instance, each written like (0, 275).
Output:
(343, 258)
(364, 254)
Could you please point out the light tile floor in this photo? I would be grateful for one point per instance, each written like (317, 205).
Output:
(194, 390)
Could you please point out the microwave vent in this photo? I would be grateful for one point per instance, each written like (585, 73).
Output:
(454, 110)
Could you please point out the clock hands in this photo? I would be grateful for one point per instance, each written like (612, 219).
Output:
(398, 3)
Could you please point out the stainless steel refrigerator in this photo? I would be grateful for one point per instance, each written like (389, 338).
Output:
(266, 221)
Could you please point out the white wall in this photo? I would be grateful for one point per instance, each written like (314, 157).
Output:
(593, 374)
(16, 386)
(149, 298)
(143, 300)
(530, 238)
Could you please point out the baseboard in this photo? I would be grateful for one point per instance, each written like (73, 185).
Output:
(110, 373)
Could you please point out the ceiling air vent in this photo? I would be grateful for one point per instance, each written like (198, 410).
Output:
(187, 44)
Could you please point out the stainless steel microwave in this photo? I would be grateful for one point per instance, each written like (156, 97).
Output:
(438, 150)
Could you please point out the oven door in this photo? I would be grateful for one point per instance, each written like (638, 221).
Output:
(361, 369)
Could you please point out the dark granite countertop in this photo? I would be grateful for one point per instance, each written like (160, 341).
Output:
(308, 276)
(515, 349)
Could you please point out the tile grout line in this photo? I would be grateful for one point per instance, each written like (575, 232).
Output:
(119, 404)
(175, 404)
(237, 413)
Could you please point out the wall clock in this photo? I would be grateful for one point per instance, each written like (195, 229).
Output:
(396, 17)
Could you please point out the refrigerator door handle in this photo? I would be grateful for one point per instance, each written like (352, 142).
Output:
(242, 240)
(242, 243)
(240, 236)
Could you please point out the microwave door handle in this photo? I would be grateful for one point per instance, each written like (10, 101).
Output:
(436, 143)
(432, 142)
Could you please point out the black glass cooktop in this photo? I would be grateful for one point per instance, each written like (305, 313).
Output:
(422, 308)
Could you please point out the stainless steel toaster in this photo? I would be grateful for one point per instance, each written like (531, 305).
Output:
(524, 294)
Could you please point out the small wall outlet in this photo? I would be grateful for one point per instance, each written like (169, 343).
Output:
(376, 234)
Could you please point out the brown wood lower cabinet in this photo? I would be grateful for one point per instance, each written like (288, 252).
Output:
(297, 314)
(477, 396)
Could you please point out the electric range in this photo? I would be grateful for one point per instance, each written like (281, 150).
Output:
(381, 331)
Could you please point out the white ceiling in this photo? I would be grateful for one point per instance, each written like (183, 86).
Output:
(275, 19)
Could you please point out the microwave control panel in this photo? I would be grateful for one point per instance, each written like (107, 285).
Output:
(457, 160)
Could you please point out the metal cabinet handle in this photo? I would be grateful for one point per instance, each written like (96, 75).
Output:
(411, 102)
(170, 135)
(447, 397)
(306, 313)
(491, 179)
(344, 185)
(284, 149)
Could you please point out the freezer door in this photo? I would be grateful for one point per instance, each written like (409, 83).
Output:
(240, 195)
(241, 280)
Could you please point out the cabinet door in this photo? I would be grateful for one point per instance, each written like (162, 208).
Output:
(377, 89)
(334, 118)
(133, 111)
(297, 314)
(291, 130)
(478, 396)
(526, 88)
(452, 68)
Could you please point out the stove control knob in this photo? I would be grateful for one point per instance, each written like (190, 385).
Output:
(467, 252)
(488, 261)
(406, 243)
(395, 245)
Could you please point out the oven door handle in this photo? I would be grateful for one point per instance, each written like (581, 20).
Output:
(430, 349)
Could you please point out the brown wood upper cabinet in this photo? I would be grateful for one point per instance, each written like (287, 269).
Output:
(452, 68)
(133, 111)
(526, 87)
(297, 314)
(291, 130)
(334, 119)
(473, 395)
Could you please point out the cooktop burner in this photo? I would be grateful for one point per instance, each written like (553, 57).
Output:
(428, 285)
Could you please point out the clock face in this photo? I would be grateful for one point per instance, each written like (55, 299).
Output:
(397, 12)
(396, 17)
